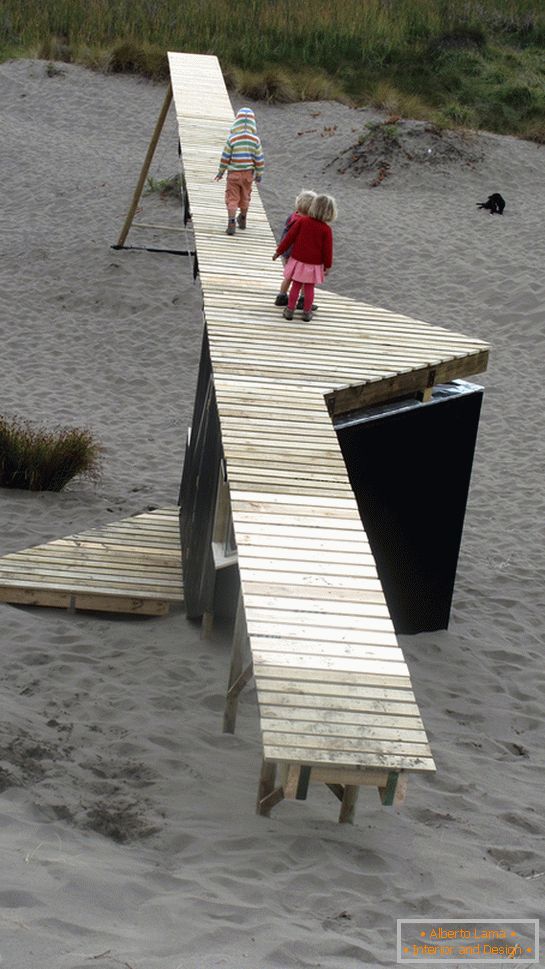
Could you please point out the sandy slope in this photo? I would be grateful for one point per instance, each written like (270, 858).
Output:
(110, 728)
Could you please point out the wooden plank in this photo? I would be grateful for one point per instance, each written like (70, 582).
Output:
(304, 686)
(335, 677)
(355, 705)
(329, 744)
(334, 661)
(303, 607)
(347, 758)
(84, 601)
(338, 730)
(309, 619)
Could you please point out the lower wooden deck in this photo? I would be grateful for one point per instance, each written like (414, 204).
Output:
(129, 566)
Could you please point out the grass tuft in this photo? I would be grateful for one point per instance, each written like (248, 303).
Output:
(388, 98)
(56, 49)
(35, 459)
(164, 187)
(272, 86)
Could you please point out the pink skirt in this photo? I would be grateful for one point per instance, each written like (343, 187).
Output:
(303, 272)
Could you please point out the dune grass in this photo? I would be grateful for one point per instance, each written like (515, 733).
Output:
(36, 459)
(476, 62)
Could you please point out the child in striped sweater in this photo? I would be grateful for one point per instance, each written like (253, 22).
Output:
(242, 159)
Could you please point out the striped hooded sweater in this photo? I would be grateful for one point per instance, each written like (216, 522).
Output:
(243, 151)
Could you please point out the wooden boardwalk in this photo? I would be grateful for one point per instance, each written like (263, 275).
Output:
(130, 566)
(335, 697)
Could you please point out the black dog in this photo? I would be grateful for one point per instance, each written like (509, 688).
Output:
(495, 203)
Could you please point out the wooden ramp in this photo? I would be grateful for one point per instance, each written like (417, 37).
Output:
(130, 566)
(335, 698)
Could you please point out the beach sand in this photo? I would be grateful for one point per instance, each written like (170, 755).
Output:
(127, 827)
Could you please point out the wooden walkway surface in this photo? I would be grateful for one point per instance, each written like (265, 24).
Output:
(130, 566)
(334, 691)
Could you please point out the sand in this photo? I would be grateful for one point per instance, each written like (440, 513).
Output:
(127, 827)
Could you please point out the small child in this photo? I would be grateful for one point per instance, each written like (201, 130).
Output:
(311, 242)
(242, 159)
(302, 205)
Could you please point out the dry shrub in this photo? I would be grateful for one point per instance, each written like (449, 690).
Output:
(282, 86)
(145, 59)
(535, 131)
(56, 49)
(127, 58)
(272, 86)
(36, 459)
(319, 87)
(387, 98)
(95, 58)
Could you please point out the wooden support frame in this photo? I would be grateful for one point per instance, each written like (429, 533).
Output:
(239, 674)
(145, 168)
(294, 780)
(267, 794)
(395, 789)
(220, 556)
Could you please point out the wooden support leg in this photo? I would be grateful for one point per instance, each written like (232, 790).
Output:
(238, 675)
(145, 168)
(207, 624)
(304, 781)
(268, 795)
(347, 795)
(393, 794)
(348, 804)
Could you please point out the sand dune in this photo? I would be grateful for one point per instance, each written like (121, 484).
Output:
(127, 831)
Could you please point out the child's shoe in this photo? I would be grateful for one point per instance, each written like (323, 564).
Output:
(231, 228)
(301, 304)
(306, 317)
(281, 299)
(241, 220)
(288, 314)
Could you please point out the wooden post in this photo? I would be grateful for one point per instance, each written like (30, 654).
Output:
(238, 676)
(393, 794)
(348, 804)
(267, 794)
(145, 168)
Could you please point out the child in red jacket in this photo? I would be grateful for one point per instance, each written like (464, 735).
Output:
(302, 206)
(311, 258)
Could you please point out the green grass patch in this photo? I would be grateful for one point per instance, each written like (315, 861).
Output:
(37, 459)
(480, 60)
(164, 187)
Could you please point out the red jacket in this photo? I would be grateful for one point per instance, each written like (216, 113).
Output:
(311, 242)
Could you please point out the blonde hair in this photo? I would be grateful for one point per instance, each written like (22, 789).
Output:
(304, 201)
(323, 208)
